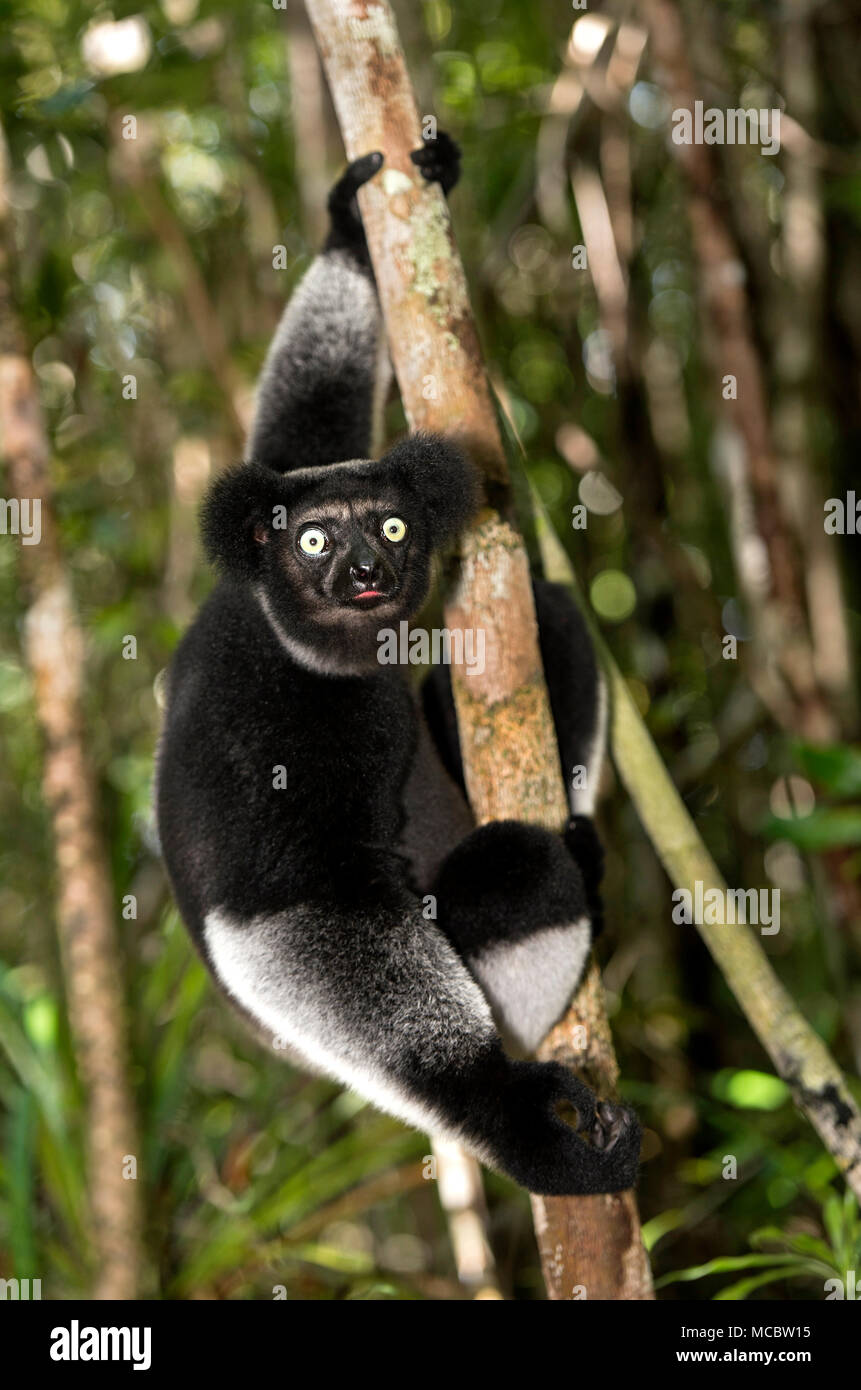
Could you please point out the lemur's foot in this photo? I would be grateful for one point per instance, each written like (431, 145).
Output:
(604, 1124)
(346, 222)
(438, 160)
(545, 1152)
(610, 1124)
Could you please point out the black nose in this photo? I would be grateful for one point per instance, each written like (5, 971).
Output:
(365, 572)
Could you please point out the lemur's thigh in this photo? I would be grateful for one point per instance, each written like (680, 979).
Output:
(579, 707)
(508, 896)
(381, 1001)
(513, 902)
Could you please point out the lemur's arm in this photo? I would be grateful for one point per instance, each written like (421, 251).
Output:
(322, 378)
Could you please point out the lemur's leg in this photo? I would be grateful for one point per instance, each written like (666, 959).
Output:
(578, 704)
(512, 901)
(326, 374)
(521, 905)
(378, 999)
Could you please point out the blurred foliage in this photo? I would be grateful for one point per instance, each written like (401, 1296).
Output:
(256, 1176)
(825, 1264)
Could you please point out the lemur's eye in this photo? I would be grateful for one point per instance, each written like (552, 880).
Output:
(394, 529)
(313, 541)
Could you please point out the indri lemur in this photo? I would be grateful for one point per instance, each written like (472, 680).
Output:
(304, 891)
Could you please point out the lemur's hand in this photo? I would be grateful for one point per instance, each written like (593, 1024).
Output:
(438, 160)
(346, 229)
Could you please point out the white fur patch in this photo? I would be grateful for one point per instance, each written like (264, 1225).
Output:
(331, 321)
(337, 301)
(530, 982)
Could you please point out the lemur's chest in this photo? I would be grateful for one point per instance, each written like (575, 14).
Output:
(352, 744)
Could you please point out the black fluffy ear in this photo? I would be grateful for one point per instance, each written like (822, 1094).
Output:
(236, 518)
(441, 476)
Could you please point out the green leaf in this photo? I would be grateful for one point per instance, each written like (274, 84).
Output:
(736, 1292)
(827, 828)
(41, 1021)
(661, 1225)
(751, 1090)
(837, 767)
(832, 1215)
(331, 1257)
(723, 1265)
(23, 1205)
(798, 1244)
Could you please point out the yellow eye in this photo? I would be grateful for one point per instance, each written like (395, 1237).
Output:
(394, 529)
(312, 541)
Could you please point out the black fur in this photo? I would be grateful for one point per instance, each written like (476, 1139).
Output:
(504, 882)
(439, 161)
(304, 807)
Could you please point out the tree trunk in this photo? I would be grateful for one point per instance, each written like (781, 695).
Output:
(587, 1244)
(86, 908)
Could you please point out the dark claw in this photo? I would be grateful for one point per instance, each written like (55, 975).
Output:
(611, 1121)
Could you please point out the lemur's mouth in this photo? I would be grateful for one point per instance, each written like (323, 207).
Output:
(369, 596)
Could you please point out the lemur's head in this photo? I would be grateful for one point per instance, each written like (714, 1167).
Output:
(335, 553)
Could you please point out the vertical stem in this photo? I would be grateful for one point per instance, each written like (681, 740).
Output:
(507, 736)
(86, 909)
(786, 677)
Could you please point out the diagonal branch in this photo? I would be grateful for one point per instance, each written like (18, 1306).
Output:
(818, 1086)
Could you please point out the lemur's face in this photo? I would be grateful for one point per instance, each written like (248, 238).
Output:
(349, 555)
(340, 563)
(349, 562)
(337, 552)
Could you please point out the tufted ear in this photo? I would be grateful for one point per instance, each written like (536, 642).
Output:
(236, 518)
(441, 475)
